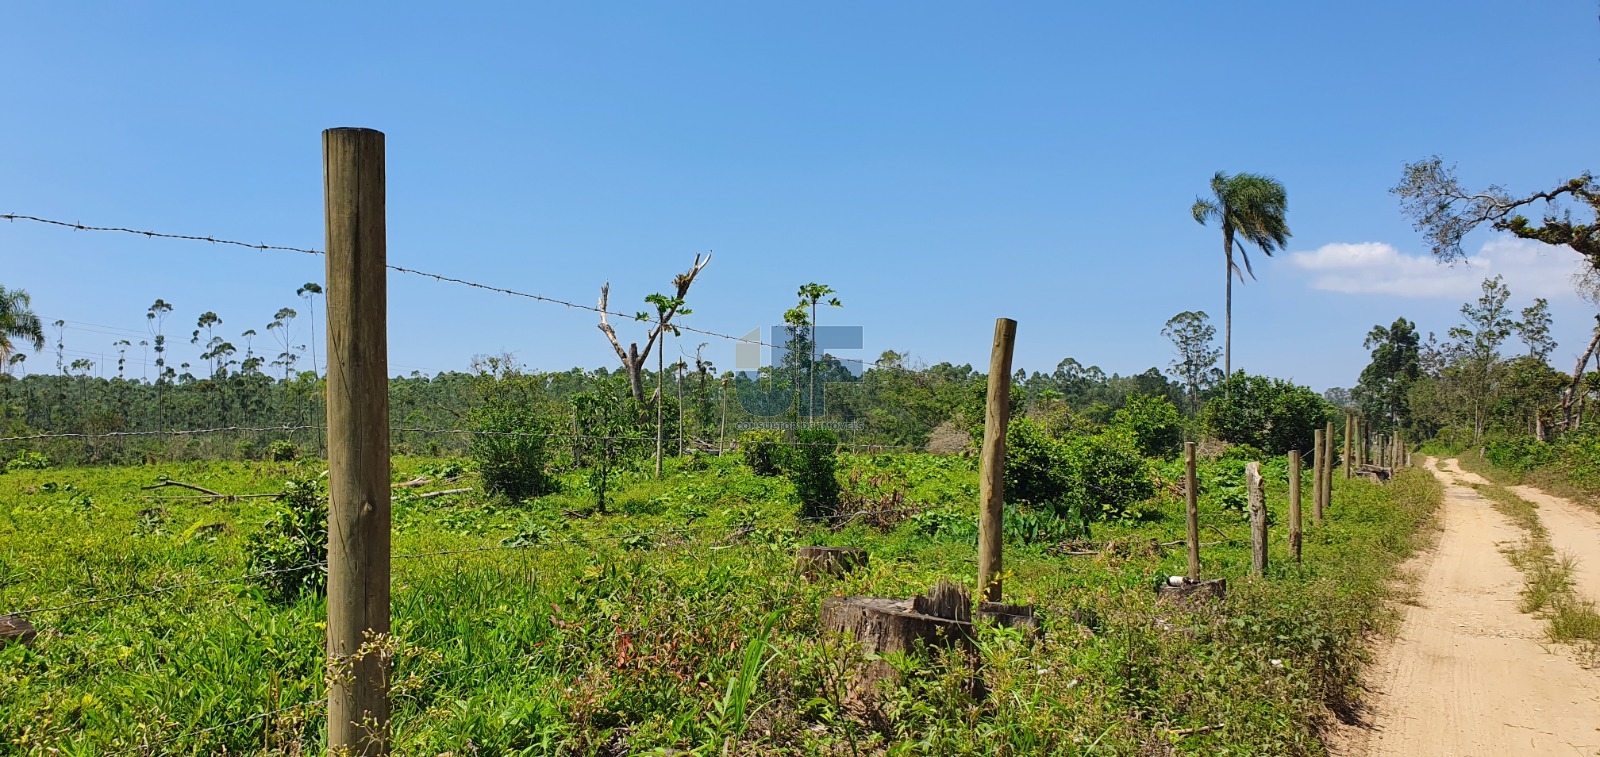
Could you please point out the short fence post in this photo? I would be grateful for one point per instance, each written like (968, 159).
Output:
(1258, 519)
(992, 472)
(1294, 504)
(1191, 498)
(358, 442)
(1318, 449)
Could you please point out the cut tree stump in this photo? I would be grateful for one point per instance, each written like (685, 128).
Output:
(1215, 589)
(816, 562)
(1375, 473)
(15, 628)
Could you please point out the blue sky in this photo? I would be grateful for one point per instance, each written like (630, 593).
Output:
(938, 164)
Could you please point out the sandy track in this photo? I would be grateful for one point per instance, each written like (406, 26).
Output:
(1574, 532)
(1469, 674)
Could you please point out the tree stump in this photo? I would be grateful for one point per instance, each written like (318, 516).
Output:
(816, 562)
(15, 628)
(1191, 591)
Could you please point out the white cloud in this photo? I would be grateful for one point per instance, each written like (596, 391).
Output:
(1531, 269)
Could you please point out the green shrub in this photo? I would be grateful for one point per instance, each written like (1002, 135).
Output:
(288, 555)
(1081, 478)
(763, 452)
(814, 473)
(1266, 413)
(1519, 453)
(26, 460)
(1154, 423)
(511, 428)
(283, 451)
(612, 434)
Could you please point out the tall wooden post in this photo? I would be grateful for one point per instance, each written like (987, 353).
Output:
(1349, 437)
(1327, 466)
(358, 441)
(1191, 498)
(722, 436)
(1258, 519)
(1318, 449)
(1295, 530)
(992, 468)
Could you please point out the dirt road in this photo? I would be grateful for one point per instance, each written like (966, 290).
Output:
(1575, 532)
(1469, 674)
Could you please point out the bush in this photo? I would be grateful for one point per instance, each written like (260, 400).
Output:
(763, 452)
(26, 460)
(1153, 422)
(1519, 453)
(1082, 478)
(1266, 413)
(289, 554)
(511, 428)
(816, 484)
(283, 451)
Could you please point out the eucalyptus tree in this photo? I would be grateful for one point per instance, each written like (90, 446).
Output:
(154, 318)
(19, 322)
(811, 294)
(122, 346)
(309, 292)
(280, 329)
(1191, 334)
(61, 346)
(1534, 329)
(208, 321)
(633, 359)
(251, 364)
(1250, 208)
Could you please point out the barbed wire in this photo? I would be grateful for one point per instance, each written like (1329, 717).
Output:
(148, 745)
(561, 436)
(413, 272)
(167, 589)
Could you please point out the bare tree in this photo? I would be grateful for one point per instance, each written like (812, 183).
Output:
(633, 359)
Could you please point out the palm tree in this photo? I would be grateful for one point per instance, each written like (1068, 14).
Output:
(18, 321)
(1250, 207)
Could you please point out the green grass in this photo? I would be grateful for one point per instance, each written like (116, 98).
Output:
(1548, 589)
(593, 639)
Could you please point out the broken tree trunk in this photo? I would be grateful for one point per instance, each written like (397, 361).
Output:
(1258, 519)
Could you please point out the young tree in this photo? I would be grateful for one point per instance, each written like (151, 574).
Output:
(280, 328)
(1534, 329)
(309, 292)
(122, 346)
(810, 294)
(1250, 208)
(633, 359)
(18, 321)
(666, 308)
(154, 318)
(1488, 322)
(1191, 333)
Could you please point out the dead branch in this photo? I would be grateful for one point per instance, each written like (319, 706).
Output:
(446, 492)
(170, 482)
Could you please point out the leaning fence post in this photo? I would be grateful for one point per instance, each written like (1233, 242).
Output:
(358, 441)
(992, 472)
(1318, 449)
(1191, 498)
(1258, 519)
(1294, 504)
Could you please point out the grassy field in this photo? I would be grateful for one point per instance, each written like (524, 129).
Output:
(674, 622)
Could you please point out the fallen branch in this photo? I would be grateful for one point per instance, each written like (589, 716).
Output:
(419, 481)
(1193, 731)
(170, 482)
(228, 497)
(446, 492)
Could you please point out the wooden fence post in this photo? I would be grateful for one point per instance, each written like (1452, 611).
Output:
(1327, 466)
(1349, 435)
(358, 441)
(1258, 519)
(1318, 449)
(1294, 504)
(1191, 498)
(992, 470)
